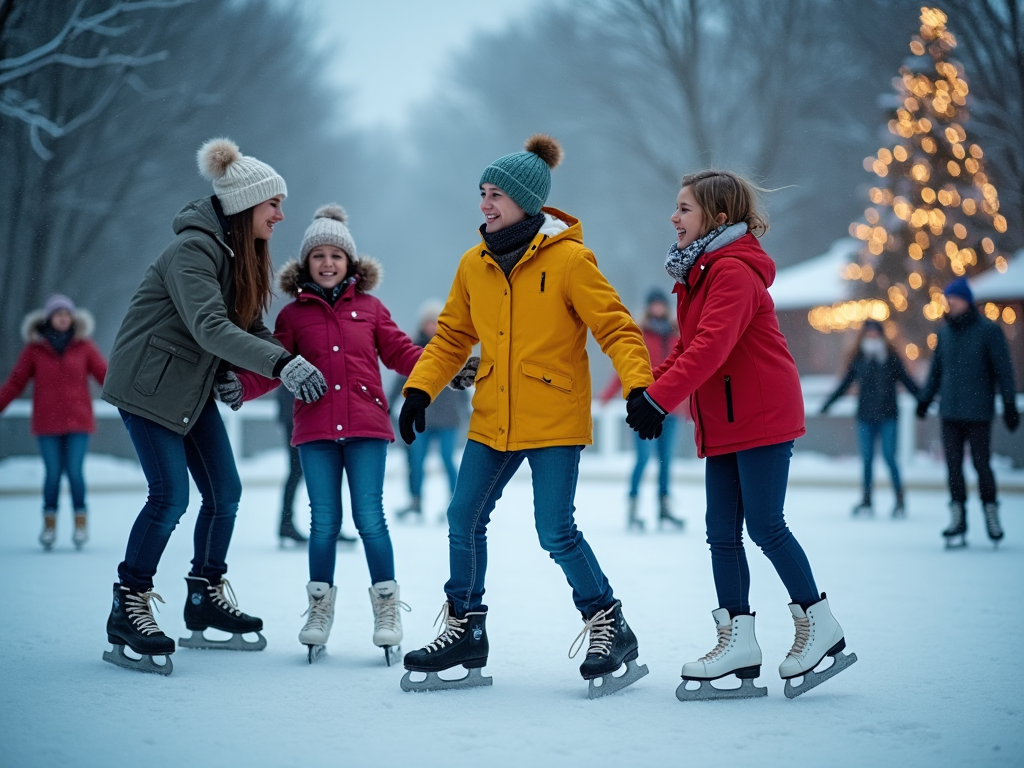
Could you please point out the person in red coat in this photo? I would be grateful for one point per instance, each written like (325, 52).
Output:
(660, 336)
(340, 328)
(59, 356)
(733, 363)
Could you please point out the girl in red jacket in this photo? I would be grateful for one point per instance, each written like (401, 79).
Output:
(340, 328)
(60, 356)
(747, 407)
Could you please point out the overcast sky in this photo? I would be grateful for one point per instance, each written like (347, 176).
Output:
(391, 53)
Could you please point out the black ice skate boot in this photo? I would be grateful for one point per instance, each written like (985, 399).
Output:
(612, 644)
(131, 623)
(665, 515)
(214, 605)
(864, 508)
(288, 531)
(413, 511)
(995, 531)
(899, 510)
(462, 641)
(634, 523)
(956, 534)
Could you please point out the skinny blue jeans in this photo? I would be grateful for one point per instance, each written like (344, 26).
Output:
(418, 455)
(323, 465)
(867, 433)
(64, 455)
(483, 475)
(644, 448)
(751, 485)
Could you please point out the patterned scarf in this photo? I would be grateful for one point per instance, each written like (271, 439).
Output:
(678, 263)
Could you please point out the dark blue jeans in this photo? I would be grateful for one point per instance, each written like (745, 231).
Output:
(483, 475)
(418, 455)
(665, 444)
(867, 433)
(64, 455)
(323, 465)
(751, 485)
(167, 459)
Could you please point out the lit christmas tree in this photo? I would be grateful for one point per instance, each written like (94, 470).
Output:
(934, 213)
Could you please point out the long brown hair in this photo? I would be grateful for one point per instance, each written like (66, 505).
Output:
(254, 270)
(729, 193)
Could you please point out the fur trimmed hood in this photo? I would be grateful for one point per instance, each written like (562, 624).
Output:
(369, 271)
(84, 325)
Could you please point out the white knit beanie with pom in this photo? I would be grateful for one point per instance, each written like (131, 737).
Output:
(328, 228)
(239, 182)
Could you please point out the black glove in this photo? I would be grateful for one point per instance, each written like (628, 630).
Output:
(303, 380)
(465, 378)
(1010, 417)
(922, 408)
(644, 415)
(229, 390)
(414, 411)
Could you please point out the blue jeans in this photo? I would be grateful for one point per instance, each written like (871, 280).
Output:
(483, 475)
(167, 459)
(418, 454)
(323, 465)
(665, 445)
(64, 454)
(751, 485)
(867, 432)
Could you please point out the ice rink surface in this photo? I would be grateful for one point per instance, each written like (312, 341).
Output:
(939, 681)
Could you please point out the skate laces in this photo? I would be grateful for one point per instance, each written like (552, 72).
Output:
(803, 634)
(601, 627)
(140, 611)
(452, 628)
(386, 614)
(724, 636)
(224, 596)
(319, 612)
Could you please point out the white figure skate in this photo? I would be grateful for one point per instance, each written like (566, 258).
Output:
(737, 653)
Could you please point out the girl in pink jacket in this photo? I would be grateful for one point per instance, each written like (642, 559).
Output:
(336, 325)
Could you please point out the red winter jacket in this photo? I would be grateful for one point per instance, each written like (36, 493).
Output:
(732, 359)
(61, 402)
(344, 342)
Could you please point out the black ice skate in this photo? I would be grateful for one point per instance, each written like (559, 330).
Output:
(209, 605)
(634, 523)
(612, 644)
(462, 641)
(665, 517)
(995, 531)
(131, 623)
(288, 531)
(956, 534)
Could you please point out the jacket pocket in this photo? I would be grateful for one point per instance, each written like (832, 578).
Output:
(548, 376)
(159, 354)
(373, 396)
(728, 399)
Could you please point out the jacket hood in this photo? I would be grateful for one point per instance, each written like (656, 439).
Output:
(369, 271)
(559, 225)
(748, 250)
(199, 214)
(84, 325)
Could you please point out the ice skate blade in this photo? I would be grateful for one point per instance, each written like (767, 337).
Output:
(708, 692)
(392, 654)
(609, 684)
(118, 657)
(813, 679)
(956, 542)
(314, 652)
(474, 679)
(234, 643)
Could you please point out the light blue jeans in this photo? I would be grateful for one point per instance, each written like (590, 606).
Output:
(867, 432)
(665, 444)
(63, 455)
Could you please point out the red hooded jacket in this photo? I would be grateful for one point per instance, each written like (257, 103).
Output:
(732, 359)
(345, 342)
(61, 402)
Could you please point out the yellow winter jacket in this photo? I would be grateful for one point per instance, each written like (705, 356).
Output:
(533, 384)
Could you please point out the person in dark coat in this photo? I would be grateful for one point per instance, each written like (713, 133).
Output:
(876, 367)
(971, 363)
(444, 416)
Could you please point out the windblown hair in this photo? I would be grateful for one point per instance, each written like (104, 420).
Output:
(729, 193)
(254, 270)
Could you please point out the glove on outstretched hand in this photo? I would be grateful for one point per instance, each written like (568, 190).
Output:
(303, 380)
(922, 408)
(414, 411)
(643, 415)
(465, 378)
(229, 390)
(1011, 417)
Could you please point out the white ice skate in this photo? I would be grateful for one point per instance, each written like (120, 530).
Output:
(321, 618)
(737, 653)
(81, 532)
(387, 621)
(49, 534)
(818, 635)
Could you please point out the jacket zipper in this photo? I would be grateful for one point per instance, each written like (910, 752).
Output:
(728, 398)
(543, 277)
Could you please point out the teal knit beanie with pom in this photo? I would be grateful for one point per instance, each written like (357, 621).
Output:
(526, 176)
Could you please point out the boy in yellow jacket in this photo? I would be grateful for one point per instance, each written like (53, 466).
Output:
(527, 293)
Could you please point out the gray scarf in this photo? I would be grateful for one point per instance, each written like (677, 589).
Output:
(678, 263)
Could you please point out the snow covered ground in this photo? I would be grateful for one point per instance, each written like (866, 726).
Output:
(939, 681)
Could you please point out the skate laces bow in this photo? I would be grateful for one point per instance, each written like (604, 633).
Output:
(224, 596)
(724, 636)
(319, 611)
(451, 628)
(387, 610)
(803, 634)
(601, 635)
(140, 609)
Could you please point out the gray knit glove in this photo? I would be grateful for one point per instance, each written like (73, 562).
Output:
(303, 380)
(464, 379)
(229, 390)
